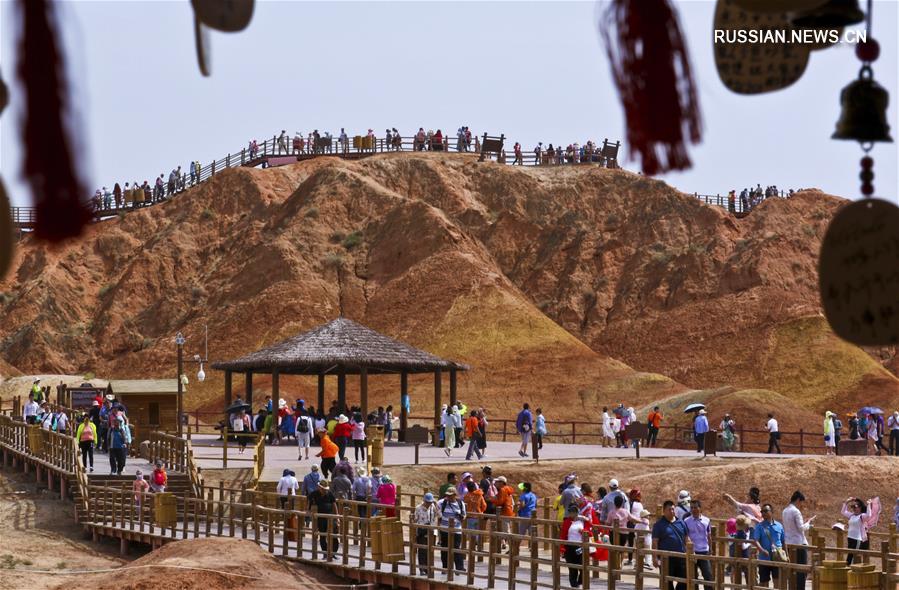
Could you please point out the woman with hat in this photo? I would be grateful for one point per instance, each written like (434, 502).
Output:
(325, 503)
(425, 516)
(830, 441)
(387, 496)
(343, 431)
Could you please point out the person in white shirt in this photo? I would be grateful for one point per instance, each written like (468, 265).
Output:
(794, 532)
(287, 487)
(608, 434)
(574, 554)
(62, 423)
(773, 434)
(893, 425)
(30, 410)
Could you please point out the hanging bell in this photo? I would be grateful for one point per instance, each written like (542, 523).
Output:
(832, 15)
(863, 116)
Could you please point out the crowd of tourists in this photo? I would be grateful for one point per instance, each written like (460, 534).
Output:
(750, 197)
(143, 194)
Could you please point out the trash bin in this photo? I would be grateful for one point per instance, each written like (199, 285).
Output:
(375, 435)
(165, 509)
(35, 440)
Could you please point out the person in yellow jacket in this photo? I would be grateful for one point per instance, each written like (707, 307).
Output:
(86, 435)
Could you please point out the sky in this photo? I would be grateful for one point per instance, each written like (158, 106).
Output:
(535, 71)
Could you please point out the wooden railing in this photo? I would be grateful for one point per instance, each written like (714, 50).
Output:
(50, 449)
(494, 551)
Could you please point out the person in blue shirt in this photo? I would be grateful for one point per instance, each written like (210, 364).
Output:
(670, 534)
(699, 530)
(527, 507)
(524, 424)
(700, 427)
(769, 534)
(117, 449)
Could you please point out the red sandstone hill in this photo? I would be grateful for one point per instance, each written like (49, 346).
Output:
(539, 278)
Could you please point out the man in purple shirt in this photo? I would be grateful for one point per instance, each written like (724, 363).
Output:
(699, 531)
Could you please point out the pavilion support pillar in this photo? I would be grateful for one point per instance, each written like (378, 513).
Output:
(438, 385)
(248, 385)
(453, 388)
(228, 389)
(276, 388)
(321, 394)
(341, 392)
(363, 392)
(404, 395)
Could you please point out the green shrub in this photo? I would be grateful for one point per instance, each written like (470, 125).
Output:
(352, 240)
(312, 213)
(106, 289)
(809, 231)
(207, 214)
(337, 237)
(89, 375)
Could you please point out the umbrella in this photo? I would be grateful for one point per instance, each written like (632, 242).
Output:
(869, 410)
(237, 406)
(694, 408)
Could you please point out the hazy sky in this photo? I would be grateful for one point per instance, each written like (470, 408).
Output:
(532, 70)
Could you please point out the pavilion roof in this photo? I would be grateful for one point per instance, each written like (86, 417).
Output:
(341, 345)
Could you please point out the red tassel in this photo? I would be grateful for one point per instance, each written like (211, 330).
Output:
(59, 193)
(651, 69)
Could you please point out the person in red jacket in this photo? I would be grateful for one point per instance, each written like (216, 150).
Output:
(343, 431)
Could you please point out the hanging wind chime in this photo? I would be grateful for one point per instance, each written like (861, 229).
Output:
(859, 262)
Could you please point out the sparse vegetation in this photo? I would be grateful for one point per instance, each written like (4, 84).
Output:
(612, 219)
(333, 260)
(8, 562)
(662, 257)
(312, 213)
(146, 343)
(337, 237)
(658, 247)
(819, 214)
(207, 214)
(809, 231)
(197, 292)
(741, 244)
(5, 298)
(352, 240)
(89, 375)
(106, 289)
(61, 565)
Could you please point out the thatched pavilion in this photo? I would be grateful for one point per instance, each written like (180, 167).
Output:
(342, 347)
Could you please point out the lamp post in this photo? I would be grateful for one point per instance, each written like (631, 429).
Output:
(182, 379)
(179, 340)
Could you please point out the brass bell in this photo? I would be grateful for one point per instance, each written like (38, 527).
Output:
(864, 106)
(831, 15)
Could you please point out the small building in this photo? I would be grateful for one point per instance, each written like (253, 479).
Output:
(152, 404)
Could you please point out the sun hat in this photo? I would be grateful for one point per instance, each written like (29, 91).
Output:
(502, 478)
(644, 513)
(466, 474)
(701, 412)
(324, 484)
(683, 495)
(428, 497)
(315, 468)
(110, 397)
(95, 403)
(342, 419)
(385, 479)
(360, 471)
(450, 491)
(613, 483)
(838, 526)
(282, 403)
(521, 486)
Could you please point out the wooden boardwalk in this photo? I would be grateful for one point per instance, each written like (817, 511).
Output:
(105, 508)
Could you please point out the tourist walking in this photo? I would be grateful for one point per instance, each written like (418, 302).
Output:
(475, 505)
(86, 435)
(473, 432)
(304, 428)
(653, 423)
(728, 430)
(139, 487)
(310, 481)
(117, 448)
(361, 490)
(699, 531)
(287, 489)
(608, 502)
(359, 446)
(540, 428)
(159, 479)
(794, 532)
(893, 425)
(769, 534)
(682, 509)
(282, 142)
(325, 505)
(328, 453)
(573, 532)
(452, 514)
(518, 157)
(386, 494)
(388, 424)
(449, 430)
(425, 516)
(862, 516)
(504, 504)
(700, 427)
(343, 432)
(524, 424)
(773, 434)
(830, 441)
(669, 534)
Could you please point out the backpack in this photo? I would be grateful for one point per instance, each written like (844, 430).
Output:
(303, 425)
(159, 478)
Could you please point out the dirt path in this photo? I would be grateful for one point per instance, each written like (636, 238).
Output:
(38, 532)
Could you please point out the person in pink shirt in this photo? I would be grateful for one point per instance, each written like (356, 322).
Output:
(387, 495)
(140, 487)
(358, 425)
(622, 516)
